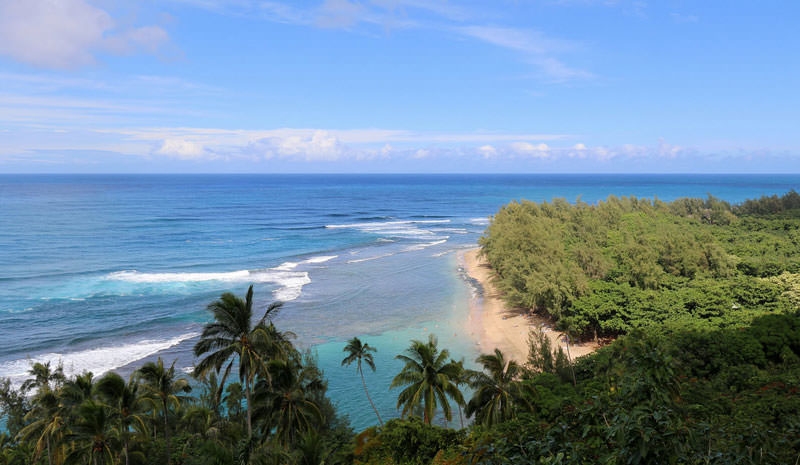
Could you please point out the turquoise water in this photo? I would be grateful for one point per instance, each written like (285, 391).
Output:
(105, 272)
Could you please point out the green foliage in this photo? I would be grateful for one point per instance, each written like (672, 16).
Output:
(604, 270)
(358, 352)
(150, 418)
(429, 380)
(13, 407)
(498, 394)
(661, 395)
(407, 442)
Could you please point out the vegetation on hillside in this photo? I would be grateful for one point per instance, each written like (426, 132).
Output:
(603, 270)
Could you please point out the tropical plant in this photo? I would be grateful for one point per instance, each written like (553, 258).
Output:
(232, 337)
(286, 404)
(497, 390)
(44, 377)
(163, 390)
(358, 352)
(92, 436)
(127, 406)
(429, 379)
(46, 427)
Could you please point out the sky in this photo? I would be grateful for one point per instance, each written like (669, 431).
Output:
(400, 86)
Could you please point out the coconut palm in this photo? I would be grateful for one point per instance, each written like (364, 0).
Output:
(287, 402)
(232, 337)
(429, 379)
(44, 377)
(163, 390)
(47, 416)
(92, 435)
(46, 425)
(358, 352)
(497, 390)
(126, 404)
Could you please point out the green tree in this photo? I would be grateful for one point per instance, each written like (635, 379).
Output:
(286, 403)
(164, 390)
(92, 436)
(127, 406)
(47, 416)
(13, 407)
(358, 352)
(497, 390)
(429, 379)
(46, 426)
(232, 337)
(44, 377)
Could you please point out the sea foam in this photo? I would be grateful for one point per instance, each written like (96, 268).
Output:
(290, 282)
(97, 360)
(402, 228)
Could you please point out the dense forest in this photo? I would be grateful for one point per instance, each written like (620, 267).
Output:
(603, 270)
(697, 300)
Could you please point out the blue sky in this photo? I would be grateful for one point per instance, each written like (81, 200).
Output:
(399, 86)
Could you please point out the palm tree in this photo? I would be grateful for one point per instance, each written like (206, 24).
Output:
(429, 378)
(46, 417)
(356, 352)
(92, 435)
(43, 376)
(496, 389)
(233, 337)
(54, 410)
(287, 404)
(126, 405)
(47, 422)
(163, 389)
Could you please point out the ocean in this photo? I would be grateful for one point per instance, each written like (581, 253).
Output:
(106, 272)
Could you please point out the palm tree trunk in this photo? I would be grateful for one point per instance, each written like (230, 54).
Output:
(125, 451)
(249, 408)
(364, 382)
(166, 433)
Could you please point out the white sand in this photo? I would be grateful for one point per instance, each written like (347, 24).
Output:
(493, 325)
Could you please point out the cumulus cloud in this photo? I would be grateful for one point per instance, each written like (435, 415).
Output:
(487, 151)
(422, 153)
(541, 150)
(318, 146)
(67, 33)
(183, 149)
(668, 150)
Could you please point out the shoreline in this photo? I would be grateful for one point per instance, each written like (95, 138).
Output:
(493, 325)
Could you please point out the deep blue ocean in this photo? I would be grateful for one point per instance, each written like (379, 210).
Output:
(105, 272)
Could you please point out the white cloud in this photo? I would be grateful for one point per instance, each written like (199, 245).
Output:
(541, 150)
(67, 33)
(523, 40)
(317, 146)
(538, 49)
(579, 147)
(339, 14)
(422, 153)
(487, 151)
(183, 149)
(668, 150)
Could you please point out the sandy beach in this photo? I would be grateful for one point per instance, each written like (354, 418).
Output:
(492, 324)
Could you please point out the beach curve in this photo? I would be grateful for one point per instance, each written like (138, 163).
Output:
(493, 325)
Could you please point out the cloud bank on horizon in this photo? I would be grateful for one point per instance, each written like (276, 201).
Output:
(398, 86)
